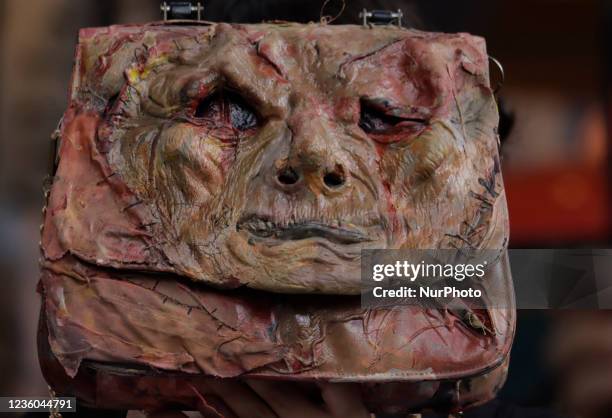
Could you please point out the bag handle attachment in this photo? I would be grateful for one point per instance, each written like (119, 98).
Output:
(381, 17)
(181, 10)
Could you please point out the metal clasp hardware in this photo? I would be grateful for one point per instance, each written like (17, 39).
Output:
(181, 10)
(501, 75)
(381, 17)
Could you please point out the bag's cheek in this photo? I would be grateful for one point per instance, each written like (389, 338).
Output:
(421, 178)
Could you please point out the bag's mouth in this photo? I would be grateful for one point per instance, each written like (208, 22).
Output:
(336, 231)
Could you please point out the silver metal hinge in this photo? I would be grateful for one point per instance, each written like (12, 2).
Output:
(381, 17)
(181, 10)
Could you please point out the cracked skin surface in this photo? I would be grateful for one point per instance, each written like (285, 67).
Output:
(202, 187)
(197, 160)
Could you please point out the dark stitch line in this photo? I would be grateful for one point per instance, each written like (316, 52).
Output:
(369, 54)
(132, 205)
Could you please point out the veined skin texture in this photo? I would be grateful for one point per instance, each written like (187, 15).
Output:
(217, 184)
(195, 196)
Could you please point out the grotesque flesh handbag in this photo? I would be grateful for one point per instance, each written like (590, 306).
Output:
(215, 187)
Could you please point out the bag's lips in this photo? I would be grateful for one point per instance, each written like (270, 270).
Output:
(335, 231)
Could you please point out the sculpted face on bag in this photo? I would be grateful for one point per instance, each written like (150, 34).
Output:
(271, 159)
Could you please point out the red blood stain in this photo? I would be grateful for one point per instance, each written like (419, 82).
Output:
(391, 210)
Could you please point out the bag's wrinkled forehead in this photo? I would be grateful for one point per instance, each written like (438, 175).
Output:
(386, 57)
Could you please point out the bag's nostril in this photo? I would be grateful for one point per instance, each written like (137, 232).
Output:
(288, 176)
(334, 179)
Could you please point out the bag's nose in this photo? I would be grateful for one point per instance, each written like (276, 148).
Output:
(313, 158)
(313, 162)
(292, 176)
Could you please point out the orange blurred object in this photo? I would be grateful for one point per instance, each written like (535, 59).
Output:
(558, 204)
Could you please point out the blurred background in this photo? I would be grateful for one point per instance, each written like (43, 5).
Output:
(556, 158)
